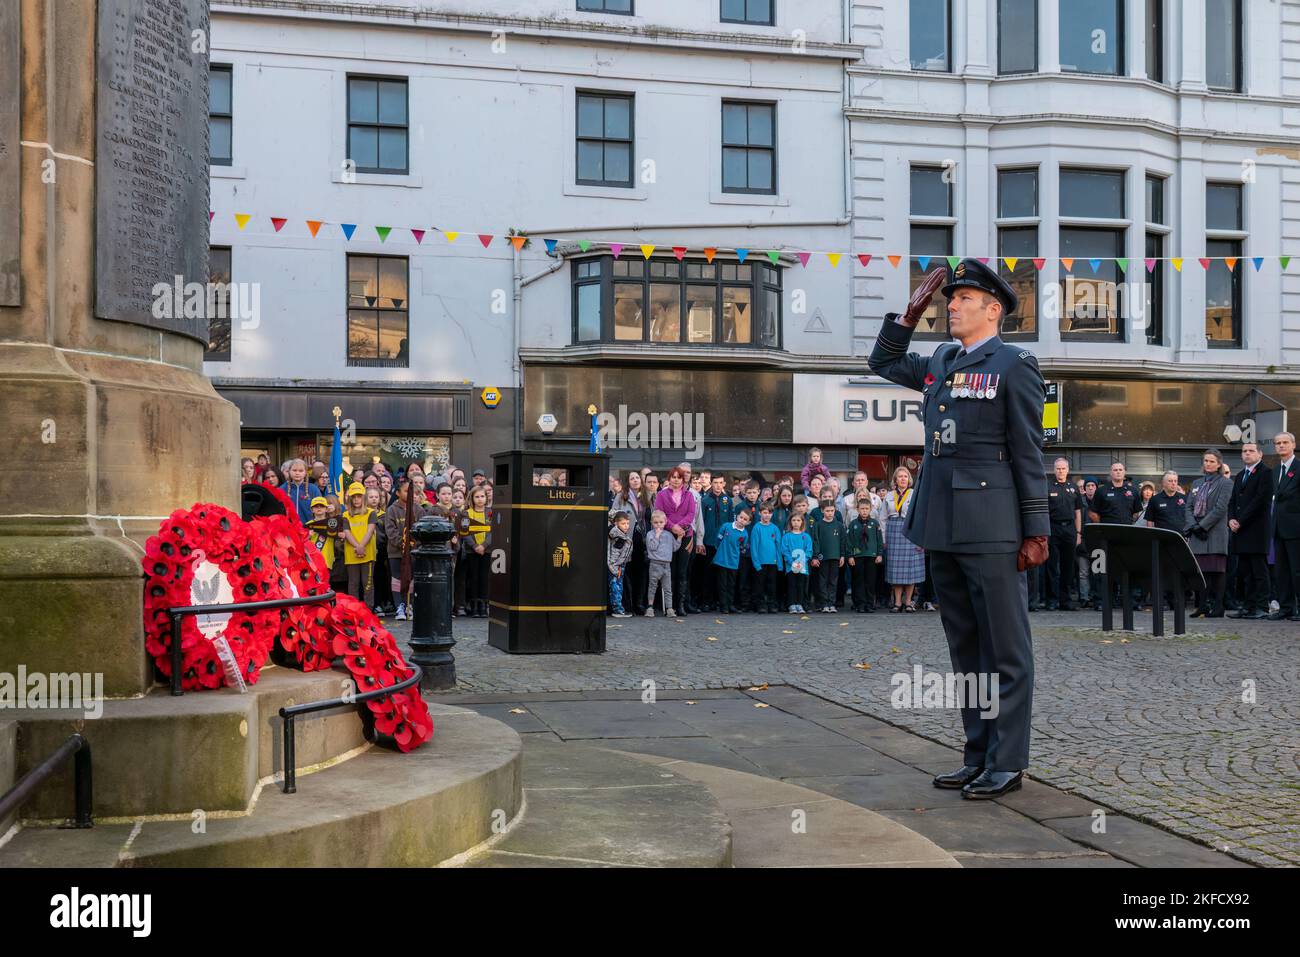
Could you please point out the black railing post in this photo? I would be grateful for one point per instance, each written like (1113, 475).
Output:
(1157, 592)
(83, 785)
(290, 758)
(431, 638)
(177, 690)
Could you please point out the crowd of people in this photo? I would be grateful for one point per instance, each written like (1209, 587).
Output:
(695, 542)
(364, 536)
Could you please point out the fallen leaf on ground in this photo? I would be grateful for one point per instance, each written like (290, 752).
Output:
(786, 631)
(690, 702)
(762, 687)
(895, 651)
(760, 704)
(804, 618)
(718, 621)
(1107, 641)
(844, 624)
(862, 665)
(710, 637)
(518, 711)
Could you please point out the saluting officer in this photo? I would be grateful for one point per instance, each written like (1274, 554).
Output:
(1065, 509)
(980, 508)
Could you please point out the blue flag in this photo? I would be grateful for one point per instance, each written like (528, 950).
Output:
(336, 463)
(595, 435)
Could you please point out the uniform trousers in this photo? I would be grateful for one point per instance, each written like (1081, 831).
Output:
(984, 604)
(1060, 561)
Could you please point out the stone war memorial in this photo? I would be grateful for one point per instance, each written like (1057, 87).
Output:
(124, 504)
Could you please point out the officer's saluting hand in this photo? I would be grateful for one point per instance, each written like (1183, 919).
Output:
(980, 510)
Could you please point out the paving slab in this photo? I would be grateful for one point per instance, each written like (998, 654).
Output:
(1141, 844)
(1041, 802)
(801, 703)
(697, 750)
(578, 720)
(985, 827)
(800, 762)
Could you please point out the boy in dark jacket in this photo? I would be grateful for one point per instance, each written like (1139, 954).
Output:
(746, 576)
(617, 556)
(717, 510)
(828, 554)
(864, 548)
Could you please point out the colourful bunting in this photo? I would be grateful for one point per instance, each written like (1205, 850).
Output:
(803, 258)
(742, 254)
(1284, 260)
(278, 222)
(348, 229)
(616, 249)
(1178, 263)
(1151, 265)
(895, 260)
(516, 241)
(211, 213)
(584, 244)
(953, 261)
(485, 239)
(371, 300)
(865, 259)
(775, 256)
(382, 232)
(313, 225)
(1095, 264)
(709, 253)
(1039, 263)
(983, 259)
(1232, 262)
(1011, 262)
(451, 235)
(834, 259)
(1122, 264)
(1068, 264)
(647, 249)
(1205, 263)
(923, 262)
(1259, 262)
(242, 219)
(551, 244)
(419, 236)
(679, 252)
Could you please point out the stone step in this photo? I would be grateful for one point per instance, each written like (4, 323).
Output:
(377, 809)
(206, 749)
(774, 824)
(589, 807)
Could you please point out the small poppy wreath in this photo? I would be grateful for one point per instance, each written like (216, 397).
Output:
(304, 632)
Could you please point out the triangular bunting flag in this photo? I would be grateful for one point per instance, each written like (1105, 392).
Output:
(1259, 263)
(803, 258)
(242, 219)
(371, 300)
(1284, 260)
(1151, 265)
(485, 239)
(1011, 262)
(709, 253)
(923, 262)
(419, 236)
(983, 259)
(278, 223)
(584, 244)
(348, 229)
(1205, 263)
(451, 235)
(679, 252)
(773, 255)
(1039, 264)
(314, 226)
(382, 232)
(953, 261)
(397, 303)
(835, 259)
(1232, 262)
(742, 254)
(1178, 263)
(551, 244)
(1095, 264)
(647, 249)
(865, 259)
(616, 249)
(1123, 265)
(894, 260)
(1068, 264)
(516, 241)
(211, 213)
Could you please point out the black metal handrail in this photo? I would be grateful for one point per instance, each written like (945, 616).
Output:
(176, 614)
(82, 785)
(290, 712)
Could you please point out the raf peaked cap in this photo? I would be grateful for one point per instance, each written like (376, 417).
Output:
(976, 275)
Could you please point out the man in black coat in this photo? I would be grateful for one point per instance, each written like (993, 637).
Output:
(1286, 528)
(1248, 520)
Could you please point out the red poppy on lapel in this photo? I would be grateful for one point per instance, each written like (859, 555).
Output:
(929, 379)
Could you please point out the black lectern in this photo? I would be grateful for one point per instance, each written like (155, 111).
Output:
(1155, 556)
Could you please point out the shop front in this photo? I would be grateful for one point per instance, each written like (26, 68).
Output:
(879, 425)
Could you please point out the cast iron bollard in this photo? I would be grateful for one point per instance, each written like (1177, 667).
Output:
(431, 640)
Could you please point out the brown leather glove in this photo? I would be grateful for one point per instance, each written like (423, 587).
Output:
(920, 300)
(1033, 552)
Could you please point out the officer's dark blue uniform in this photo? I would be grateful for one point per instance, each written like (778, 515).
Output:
(981, 491)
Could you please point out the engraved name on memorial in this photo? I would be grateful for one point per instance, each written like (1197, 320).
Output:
(11, 63)
(151, 164)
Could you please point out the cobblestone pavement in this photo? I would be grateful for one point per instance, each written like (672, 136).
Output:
(1154, 727)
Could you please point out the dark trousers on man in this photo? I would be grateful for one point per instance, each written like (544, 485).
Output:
(707, 596)
(984, 604)
(746, 585)
(1060, 562)
(1286, 551)
(864, 583)
(725, 579)
(829, 576)
(765, 597)
(1252, 582)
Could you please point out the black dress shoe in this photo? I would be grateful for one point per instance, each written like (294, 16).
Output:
(963, 776)
(1277, 616)
(993, 784)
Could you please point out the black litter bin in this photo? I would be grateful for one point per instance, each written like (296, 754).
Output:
(549, 581)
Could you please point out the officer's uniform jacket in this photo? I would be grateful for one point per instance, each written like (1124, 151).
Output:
(982, 487)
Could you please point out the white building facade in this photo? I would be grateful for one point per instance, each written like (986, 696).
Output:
(821, 138)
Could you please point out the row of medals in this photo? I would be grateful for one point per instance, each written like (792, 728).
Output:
(981, 385)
